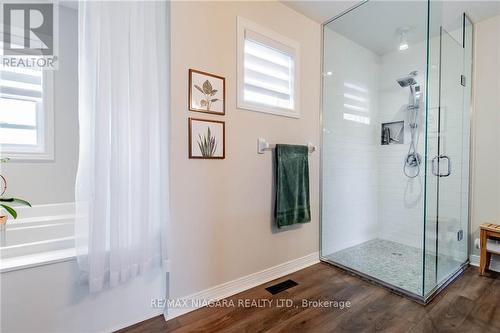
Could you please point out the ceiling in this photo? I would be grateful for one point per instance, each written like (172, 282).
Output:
(322, 11)
(375, 24)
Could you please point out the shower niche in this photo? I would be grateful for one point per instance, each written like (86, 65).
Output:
(392, 215)
(392, 133)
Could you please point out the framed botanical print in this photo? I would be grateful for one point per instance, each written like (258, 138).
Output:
(206, 139)
(207, 92)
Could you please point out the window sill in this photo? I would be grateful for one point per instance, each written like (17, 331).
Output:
(35, 260)
(21, 157)
(293, 113)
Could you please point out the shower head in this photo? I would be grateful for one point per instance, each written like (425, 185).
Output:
(408, 80)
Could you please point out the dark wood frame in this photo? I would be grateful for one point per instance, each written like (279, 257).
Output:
(190, 95)
(190, 143)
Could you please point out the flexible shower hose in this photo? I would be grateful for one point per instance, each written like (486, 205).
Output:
(413, 158)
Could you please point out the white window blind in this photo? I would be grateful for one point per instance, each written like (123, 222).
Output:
(26, 113)
(267, 65)
(21, 108)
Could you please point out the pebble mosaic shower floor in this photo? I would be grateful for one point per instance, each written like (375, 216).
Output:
(394, 263)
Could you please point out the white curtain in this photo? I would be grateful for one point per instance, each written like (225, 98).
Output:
(122, 181)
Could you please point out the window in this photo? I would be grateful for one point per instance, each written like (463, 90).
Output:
(26, 119)
(268, 66)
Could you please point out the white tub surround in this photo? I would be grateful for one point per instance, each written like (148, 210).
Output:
(41, 234)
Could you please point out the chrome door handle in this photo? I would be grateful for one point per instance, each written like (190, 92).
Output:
(436, 170)
(448, 171)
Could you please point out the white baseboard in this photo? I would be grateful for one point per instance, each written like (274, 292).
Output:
(244, 283)
(494, 266)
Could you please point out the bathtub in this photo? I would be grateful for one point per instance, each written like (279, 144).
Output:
(41, 234)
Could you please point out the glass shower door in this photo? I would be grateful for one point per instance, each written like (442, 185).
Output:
(448, 163)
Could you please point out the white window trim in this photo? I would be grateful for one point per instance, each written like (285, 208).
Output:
(45, 128)
(243, 25)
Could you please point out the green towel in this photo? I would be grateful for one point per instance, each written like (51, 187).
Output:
(292, 185)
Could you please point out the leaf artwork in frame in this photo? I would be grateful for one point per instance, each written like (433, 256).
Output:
(206, 92)
(206, 138)
(207, 144)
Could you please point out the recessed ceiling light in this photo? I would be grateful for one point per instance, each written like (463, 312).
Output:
(403, 40)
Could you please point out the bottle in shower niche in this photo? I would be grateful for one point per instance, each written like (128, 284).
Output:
(386, 136)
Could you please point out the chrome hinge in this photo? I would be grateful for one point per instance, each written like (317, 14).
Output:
(460, 235)
(462, 80)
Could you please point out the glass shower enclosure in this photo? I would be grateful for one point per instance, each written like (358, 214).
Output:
(396, 97)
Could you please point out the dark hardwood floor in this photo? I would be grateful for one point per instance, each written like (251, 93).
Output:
(471, 304)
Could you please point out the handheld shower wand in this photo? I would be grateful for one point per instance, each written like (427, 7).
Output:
(413, 158)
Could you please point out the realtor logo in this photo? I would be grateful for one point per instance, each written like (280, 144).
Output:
(29, 36)
(28, 29)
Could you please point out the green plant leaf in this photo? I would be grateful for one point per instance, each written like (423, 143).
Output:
(201, 148)
(207, 87)
(10, 210)
(207, 144)
(17, 200)
(213, 144)
(214, 92)
(214, 100)
(22, 202)
(198, 87)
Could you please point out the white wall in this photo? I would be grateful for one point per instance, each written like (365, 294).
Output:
(350, 184)
(400, 198)
(486, 126)
(222, 210)
(54, 181)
